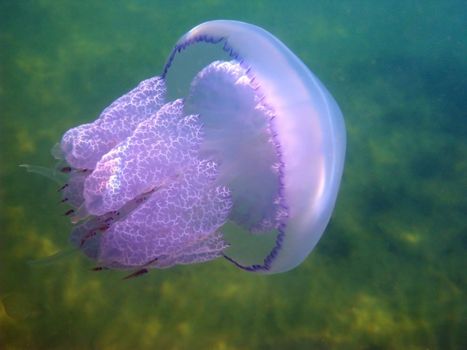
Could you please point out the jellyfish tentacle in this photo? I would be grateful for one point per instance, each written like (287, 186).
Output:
(137, 273)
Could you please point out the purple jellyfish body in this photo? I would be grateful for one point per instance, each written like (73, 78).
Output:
(235, 151)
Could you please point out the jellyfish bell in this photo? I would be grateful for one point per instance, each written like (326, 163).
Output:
(236, 150)
(304, 118)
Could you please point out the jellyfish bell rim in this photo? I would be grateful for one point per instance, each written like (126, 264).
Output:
(308, 125)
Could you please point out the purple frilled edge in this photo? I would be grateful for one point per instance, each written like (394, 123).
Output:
(137, 180)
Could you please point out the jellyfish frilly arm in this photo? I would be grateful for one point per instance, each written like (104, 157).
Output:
(309, 128)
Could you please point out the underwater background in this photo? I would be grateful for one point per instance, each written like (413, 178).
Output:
(390, 270)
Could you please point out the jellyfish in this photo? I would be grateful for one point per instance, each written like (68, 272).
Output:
(235, 150)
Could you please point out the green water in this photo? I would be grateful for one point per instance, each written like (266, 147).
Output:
(389, 273)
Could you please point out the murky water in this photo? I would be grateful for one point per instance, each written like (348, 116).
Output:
(387, 274)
